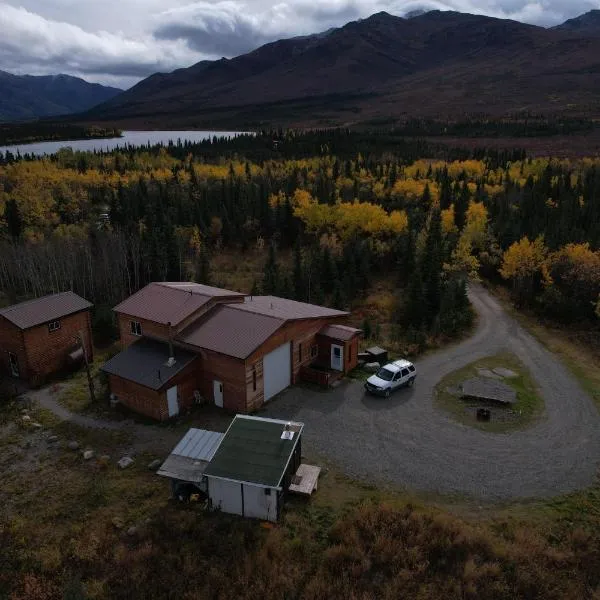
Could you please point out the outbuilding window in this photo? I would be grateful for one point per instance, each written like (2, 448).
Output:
(136, 328)
(300, 351)
(254, 379)
(314, 351)
(53, 326)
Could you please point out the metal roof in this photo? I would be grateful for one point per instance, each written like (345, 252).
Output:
(340, 332)
(171, 302)
(253, 451)
(198, 444)
(289, 310)
(190, 457)
(145, 362)
(42, 310)
(229, 331)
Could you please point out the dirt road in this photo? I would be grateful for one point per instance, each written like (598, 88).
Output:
(405, 441)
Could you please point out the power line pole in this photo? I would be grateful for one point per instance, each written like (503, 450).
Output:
(87, 367)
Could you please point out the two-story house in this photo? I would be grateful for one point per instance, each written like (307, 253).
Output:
(185, 341)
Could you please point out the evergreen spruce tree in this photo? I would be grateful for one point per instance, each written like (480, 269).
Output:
(339, 299)
(299, 279)
(461, 205)
(367, 330)
(432, 266)
(415, 310)
(203, 266)
(271, 277)
(14, 222)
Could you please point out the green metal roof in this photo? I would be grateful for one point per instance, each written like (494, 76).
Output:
(252, 451)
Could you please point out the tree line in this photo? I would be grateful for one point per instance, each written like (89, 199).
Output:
(349, 206)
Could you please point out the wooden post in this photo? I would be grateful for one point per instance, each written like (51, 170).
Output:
(87, 367)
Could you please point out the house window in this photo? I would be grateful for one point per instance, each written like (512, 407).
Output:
(254, 378)
(267, 491)
(300, 351)
(53, 326)
(136, 328)
(314, 351)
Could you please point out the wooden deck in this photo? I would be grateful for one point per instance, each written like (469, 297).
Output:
(306, 480)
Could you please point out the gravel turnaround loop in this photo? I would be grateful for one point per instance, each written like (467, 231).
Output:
(406, 442)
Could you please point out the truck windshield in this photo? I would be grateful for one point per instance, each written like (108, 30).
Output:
(385, 374)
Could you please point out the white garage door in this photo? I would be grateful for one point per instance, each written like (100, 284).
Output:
(277, 370)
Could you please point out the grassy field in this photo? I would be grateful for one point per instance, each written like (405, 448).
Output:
(71, 528)
(527, 408)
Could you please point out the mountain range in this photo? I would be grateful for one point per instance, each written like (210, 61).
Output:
(379, 70)
(24, 97)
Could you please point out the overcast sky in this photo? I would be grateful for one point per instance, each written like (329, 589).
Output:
(119, 42)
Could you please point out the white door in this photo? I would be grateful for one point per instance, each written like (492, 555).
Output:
(218, 392)
(14, 364)
(337, 357)
(172, 401)
(277, 370)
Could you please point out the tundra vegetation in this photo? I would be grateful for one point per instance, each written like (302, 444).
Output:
(387, 227)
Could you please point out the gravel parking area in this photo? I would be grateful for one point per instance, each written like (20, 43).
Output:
(406, 442)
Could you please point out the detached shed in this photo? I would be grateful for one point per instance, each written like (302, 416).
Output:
(185, 466)
(253, 467)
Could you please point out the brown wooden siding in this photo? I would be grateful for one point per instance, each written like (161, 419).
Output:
(153, 403)
(350, 352)
(231, 373)
(11, 340)
(149, 329)
(47, 351)
(302, 332)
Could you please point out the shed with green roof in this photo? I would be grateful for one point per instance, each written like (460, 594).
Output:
(253, 466)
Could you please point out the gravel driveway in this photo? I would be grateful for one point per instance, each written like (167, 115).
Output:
(405, 441)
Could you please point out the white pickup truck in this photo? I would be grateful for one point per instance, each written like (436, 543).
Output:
(391, 377)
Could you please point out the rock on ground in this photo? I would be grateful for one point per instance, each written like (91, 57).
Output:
(153, 466)
(125, 462)
(88, 455)
(372, 367)
(73, 445)
(487, 373)
(503, 372)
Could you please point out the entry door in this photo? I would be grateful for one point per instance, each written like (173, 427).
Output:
(172, 401)
(218, 392)
(14, 364)
(337, 357)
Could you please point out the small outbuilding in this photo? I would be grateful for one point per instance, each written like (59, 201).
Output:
(44, 336)
(253, 467)
(185, 466)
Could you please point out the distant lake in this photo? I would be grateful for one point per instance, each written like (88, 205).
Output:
(129, 138)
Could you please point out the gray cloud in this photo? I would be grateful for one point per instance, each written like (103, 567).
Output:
(121, 41)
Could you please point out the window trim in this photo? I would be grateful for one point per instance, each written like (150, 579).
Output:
(134, 329)
(54, 326)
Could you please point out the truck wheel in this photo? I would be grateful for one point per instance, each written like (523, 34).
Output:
(388, 392)
(411, 382)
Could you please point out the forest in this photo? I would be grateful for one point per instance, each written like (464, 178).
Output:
(38, 131)
(329, 212)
